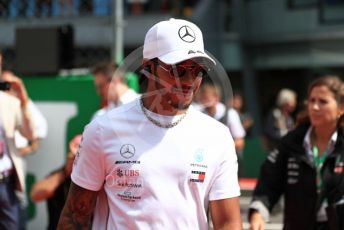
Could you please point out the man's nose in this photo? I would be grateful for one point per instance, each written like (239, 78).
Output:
(189, 76)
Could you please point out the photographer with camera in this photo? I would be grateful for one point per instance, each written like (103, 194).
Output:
(40, 127)
(14, 116)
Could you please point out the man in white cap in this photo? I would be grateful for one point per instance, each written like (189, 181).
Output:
(162, 163)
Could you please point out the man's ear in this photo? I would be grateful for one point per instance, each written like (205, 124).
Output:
(198, 84)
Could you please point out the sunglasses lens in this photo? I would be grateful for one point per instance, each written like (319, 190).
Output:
(178, 71)
(200, 71)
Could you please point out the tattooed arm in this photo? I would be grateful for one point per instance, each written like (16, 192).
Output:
(78, 210)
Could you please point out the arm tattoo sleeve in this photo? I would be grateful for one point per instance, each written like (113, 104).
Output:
(78, 209)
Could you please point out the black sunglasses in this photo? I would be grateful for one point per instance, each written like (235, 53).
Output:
(178, 71)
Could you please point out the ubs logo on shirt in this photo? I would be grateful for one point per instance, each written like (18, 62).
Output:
(128, 173)
(126, 183)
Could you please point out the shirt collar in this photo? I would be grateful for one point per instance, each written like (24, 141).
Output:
(308, 145)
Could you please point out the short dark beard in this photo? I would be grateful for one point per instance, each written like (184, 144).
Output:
(180, 106)
(161, 88)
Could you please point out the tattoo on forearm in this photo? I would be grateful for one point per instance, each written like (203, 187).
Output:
(78, 209)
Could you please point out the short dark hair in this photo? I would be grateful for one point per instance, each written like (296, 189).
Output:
(214, 87)
(108, 69)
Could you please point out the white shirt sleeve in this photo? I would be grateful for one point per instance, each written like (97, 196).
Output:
(89, 168)
(40, 126)
(39, 121)
(226, 184)
(234, 124)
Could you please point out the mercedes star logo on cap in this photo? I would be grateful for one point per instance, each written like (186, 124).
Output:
(127, 151)
(187, 34)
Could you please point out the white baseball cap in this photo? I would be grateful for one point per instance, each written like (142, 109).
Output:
(174, 41)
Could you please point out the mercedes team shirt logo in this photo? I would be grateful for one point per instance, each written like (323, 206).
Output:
(187, 34)
(127, 151)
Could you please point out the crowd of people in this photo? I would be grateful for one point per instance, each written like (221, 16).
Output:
(48, 8)
(176, 149)
(62, 8)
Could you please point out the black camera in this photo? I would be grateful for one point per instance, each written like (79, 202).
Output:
(5, 85)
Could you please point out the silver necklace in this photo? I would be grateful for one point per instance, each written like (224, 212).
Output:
(157, 123)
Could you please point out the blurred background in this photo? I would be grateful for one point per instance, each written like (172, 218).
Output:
(264, 46)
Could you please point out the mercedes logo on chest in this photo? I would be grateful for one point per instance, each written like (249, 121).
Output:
(127, 151)
(186, 34)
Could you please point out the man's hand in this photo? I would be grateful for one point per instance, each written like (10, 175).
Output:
(17, 87)
(45, 188)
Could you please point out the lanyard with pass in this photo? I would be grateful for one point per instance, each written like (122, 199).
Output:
(318, 162)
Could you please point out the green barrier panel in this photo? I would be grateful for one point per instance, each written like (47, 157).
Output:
(30, 180)
(77, 89)
(254, 155)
